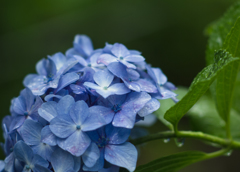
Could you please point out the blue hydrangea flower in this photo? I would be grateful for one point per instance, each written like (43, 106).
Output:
(69, 120)
(31, 134)
(49, 74)
(32, 161)
(82, 106)
(122, 54)
(103, 87)
(110, 144)
(25, 106)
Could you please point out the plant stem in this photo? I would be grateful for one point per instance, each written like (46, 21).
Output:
(188, 134)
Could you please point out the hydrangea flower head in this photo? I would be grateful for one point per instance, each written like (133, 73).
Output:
(76, 114)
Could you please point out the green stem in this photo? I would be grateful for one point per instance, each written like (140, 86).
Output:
(189, 134)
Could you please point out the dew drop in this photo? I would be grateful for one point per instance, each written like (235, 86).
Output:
(166, 140)
(229, 153)
(180, 142)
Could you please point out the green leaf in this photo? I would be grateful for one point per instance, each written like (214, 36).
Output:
(199, 86)
(173, 162)
(167, 104)
(204, 117)
(219, 31)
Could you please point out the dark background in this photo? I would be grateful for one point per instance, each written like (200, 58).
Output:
(169, 33)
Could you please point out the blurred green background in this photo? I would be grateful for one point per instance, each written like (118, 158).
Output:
(169, 33)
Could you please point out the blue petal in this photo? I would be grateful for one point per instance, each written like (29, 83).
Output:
(29, 98)
(77, 163)
(119, 89)
(48, 110)
(81, 60)
(119, 50)
(9, 163)
(65, 104)
(59, 59)
(43, 150)
(147, 86)
(93, 121)
(34, 108)
(118, 69)
(17, 122)
(98, 165)
(62, 161)
(134, 102)
(91, 155)
(134, 58)
(31, 132)
(23, 152)
(104, 112)
(83, 45)
(39, 168)
(19, 105)
(161, 78)
(28, 79)
(148, 121)
(76, 144)
(103, 78)
(38, 160)
(79, 112)
(106, 59)
(48, 137)
(66, 80)
(151, 106)
(46, 67)
(62, 128)
(117, 135)
(124, 155)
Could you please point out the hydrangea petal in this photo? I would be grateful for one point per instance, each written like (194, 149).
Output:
(134, 58)
(39, 168)
(94, 120)
(161, 78)
(66, 80)
(106, 59)
(23, 152)
(76, 144)
(98, 165)
(77, 163)
(147, 86)
(29, 98)
(81, 60)
(61, 160)
(19, 105)
(125, 118)
(59, 59)
(119, 89)
(104, 112)
(17, 122)
(103, 78)
(38, 160)
(62, 128)
(119, 50)
(151, 106)
(117, 135)
(48, 137)
(124, 155)
(48, 110)
(91, 85)
(79, 112)
(28, 79)
(36, 106)
(83, 44)
(43, 150)
(65, 104)
(91, 155)
(31, 132)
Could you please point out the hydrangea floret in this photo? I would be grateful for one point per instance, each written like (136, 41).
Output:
(76, 114)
